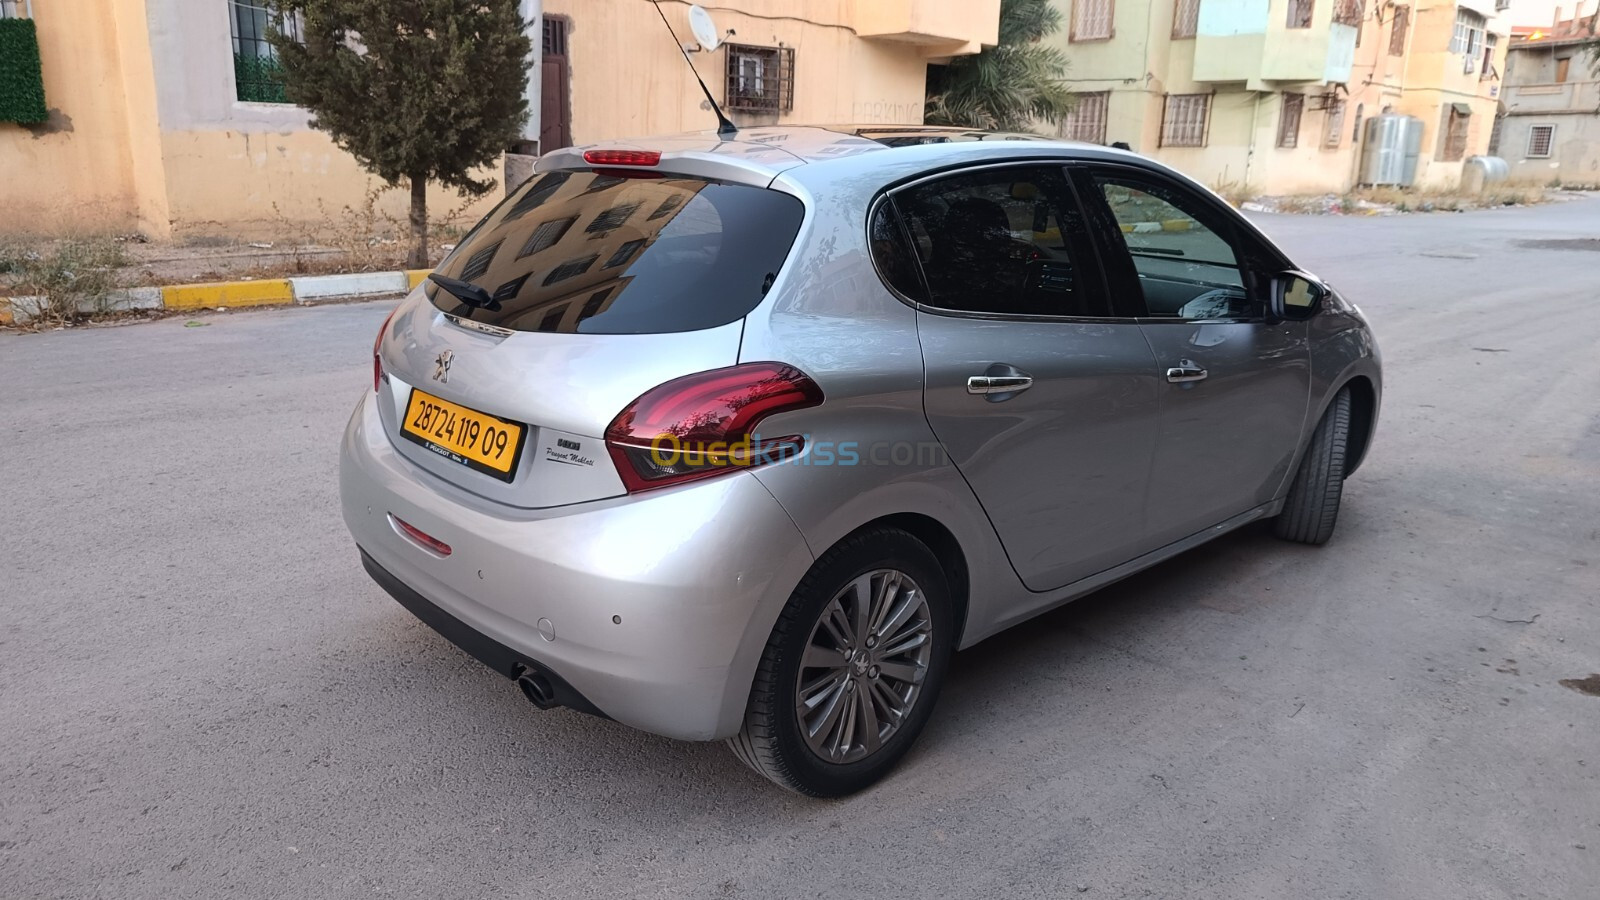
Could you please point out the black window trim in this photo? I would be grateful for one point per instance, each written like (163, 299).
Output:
(887, 195)
(1240, 236)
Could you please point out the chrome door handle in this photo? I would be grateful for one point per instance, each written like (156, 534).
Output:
(1186, 372)
(998, 384)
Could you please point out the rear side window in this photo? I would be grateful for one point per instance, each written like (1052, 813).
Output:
(596, 253)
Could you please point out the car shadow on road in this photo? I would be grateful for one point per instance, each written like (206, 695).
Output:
(578, 753)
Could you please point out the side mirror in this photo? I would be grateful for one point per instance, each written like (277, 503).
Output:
(1297, 296)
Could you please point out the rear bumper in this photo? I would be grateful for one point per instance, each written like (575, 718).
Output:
(653, 610)
(485, 649)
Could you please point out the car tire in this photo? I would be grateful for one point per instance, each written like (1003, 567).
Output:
(904, 579)
(1312, 507)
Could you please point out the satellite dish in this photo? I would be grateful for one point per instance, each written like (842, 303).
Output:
(705, 30)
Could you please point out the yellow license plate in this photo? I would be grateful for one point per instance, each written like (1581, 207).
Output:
(478, 440)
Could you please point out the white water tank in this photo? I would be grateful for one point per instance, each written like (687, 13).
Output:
(1389, 152)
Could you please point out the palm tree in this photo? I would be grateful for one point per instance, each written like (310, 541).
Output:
(1008, 87)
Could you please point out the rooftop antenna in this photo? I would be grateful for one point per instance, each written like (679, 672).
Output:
(706, 35)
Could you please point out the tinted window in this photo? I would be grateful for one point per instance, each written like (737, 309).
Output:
(1186, 268)
(1001, 241)
(603, 254)
(893, 255)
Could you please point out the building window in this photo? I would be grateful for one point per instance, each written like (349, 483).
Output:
(570, 269)
(1186, 18)
(1349, 12)
(1563, 67)
(1397, 31)
(1092, 20)
(1355, 133)
(1289, 122)
(611, 219)
(1491, 42)
(545, 235)
(1184, 120)
(1087, 121)
(1300, 13)
(257, 76)
(1468, 35)
(1540, 138)
(1333, 132)
(478, 263)
(1457, 116)
(624, 253)
(760, 79)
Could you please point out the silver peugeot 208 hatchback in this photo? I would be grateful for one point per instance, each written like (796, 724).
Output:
(741, 437)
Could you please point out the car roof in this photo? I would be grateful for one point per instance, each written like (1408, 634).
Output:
(757, 155)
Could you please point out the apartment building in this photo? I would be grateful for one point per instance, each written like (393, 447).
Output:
(1549, 129)
(165, 117)
(1271, 95)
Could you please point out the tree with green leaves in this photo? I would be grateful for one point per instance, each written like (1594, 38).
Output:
(415, 90)
(1010, 86)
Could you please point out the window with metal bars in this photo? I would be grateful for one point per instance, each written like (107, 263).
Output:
(666, 208)
(1093, 20)
(1289, 121)
(554, 37)
(1300, 13)
(1333, 126)
(624, 253)
(16, 9)
(1456, 123)
(546, 235)
(478, 263)
(257, 76)
(1185, 18)
(1397, 30)
(1184, 118)
(1087, 120)
(570, 269)
(760, 79)
(1349, 12)
(1540, 139)
(546, 188)
(611, 219)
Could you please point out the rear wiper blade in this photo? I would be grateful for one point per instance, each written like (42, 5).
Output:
(465, 291)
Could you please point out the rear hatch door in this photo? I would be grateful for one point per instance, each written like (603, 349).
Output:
(581, 291)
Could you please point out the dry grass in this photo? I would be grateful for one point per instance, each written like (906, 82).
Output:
(66, 280)
(1433, 199)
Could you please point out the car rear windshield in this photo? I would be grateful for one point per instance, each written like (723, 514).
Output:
(595, 252)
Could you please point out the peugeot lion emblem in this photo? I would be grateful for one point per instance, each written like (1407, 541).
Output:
(441, 367)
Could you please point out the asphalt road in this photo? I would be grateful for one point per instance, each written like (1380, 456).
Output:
(202, 695)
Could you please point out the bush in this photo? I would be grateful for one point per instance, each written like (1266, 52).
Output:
(21, 78)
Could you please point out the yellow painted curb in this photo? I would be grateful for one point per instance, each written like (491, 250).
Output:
(5, 311)
(227, 293)
(1176, 225)
(414, 276)
(1126, 228)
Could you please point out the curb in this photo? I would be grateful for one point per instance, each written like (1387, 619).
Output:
(231, 294)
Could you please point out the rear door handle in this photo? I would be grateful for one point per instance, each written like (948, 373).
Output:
(1185, 371)
(998, 384)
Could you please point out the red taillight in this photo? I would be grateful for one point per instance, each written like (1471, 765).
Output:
(422, 537)
(705, 424)
(622, 157)
(377, 342)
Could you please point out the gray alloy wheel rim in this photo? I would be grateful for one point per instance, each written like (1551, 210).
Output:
(863, 665)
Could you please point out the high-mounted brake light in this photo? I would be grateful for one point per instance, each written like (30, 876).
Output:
(705, 424)
(622, 157)
(377, 342)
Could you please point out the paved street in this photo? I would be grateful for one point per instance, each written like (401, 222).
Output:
(202, 695)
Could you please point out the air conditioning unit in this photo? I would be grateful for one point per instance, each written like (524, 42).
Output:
(1502, 5)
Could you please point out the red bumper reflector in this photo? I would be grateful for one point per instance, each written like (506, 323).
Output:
(622, 157)
(420, 536)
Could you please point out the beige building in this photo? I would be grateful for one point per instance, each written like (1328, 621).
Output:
(1270, 96)
(163, 122)
(1549, 130)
